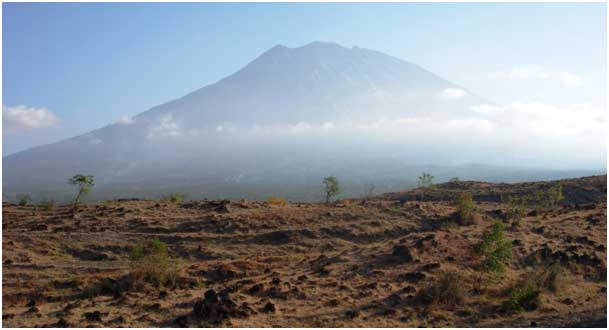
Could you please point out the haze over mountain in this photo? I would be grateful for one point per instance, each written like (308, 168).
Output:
(294, 115)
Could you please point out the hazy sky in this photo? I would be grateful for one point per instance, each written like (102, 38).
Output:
(71, 68)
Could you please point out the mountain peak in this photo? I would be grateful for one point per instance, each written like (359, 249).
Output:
(321, 44)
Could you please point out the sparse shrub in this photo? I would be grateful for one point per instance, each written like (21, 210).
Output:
(555, 195)
(455, 179)
(47, 204)
(494, 249)
(544, 200)
(108, 287)
(369, 190)
(272, 200)
(552, 278)
(425, 180)
(523, 297)
(465, 208)
(517, 208)
(174, 198)
(541, 200)
(83, 183)
(448, 289)
(23, 199)
(150, 262)
(331, 187)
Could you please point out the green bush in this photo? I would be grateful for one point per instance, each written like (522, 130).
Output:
(23, 199)
(174, 198)
(465, 208)
(517, 207)
(523, 297)
(541, 200)
(494, 249)
(555, 195)
(151, 263)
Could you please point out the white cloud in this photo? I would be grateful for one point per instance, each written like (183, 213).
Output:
(125, 120)
(165, 126)
(300, 127)
(567, 79)
(488, 109)
(570, 80)
(22, 117)
(327, 125)
(452, 94)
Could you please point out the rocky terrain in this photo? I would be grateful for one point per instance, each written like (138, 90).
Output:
(396, 260)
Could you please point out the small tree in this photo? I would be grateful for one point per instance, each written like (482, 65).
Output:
(331, 187)
(83, 183)
(425, 180)
(555, 195)
(495, 250)
(517, 208)
(369, 190)
(465, 208)
(23, 199)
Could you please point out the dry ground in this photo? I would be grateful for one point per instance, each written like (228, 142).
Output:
(317, 265)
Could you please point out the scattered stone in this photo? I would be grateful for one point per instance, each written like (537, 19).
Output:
(269, 308)
(408, 289)
(61, 323)
(351, 313)
(94, 316)
(216, 309)
(414, 277)
(181, 321)
(256, 289)
(402, 252)
(221, 273)
(393, 300)
(429, 267)
(568, 301)
(33, 309)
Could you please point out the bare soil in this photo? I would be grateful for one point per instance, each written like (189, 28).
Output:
(353, 263)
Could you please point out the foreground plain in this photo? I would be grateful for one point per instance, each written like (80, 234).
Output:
(353, 263)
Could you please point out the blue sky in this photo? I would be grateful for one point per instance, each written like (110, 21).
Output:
(70, 68)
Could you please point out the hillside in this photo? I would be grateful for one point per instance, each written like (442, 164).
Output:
(289, 111)
(389, 261)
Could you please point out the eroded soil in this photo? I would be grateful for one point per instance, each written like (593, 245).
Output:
(354, 263)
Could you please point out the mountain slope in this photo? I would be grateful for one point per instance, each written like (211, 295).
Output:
(274, 115)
